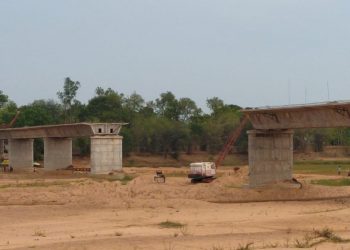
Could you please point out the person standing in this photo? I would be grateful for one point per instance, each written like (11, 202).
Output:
(339, 170)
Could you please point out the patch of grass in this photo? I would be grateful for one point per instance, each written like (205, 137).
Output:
(318, 237)
(233, 186)
(308, 241)
(320, 167)
(123, 178)
(177, 174)
(171, 224)
(325, 233)
(39, 234)
(301, 244)
(37, 184)
(131, 163)
(126, 179)
(328, 234)
(322, 162)
(270, 245)
(247, 246)
(332, 182)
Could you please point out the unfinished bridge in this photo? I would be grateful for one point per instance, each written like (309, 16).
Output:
(270, 144)
(106, 145)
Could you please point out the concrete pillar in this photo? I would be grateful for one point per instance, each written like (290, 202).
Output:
(106, 153)
(57, 153)
(21, 153)
(2, 149)
(270, 156)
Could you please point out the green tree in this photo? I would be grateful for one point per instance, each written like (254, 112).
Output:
(40, 112)
(3, 99)
(167, 106)
(7, 112)
(105, 106)
(67, 97)
(134, 103)
(173, 137)
(187, 109)
(220, 124)
(8, 109)
(215, 104)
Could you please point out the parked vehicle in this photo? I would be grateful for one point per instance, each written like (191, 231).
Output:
(202, 172)
(159, 177)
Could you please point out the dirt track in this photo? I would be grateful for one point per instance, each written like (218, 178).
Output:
(64, 211)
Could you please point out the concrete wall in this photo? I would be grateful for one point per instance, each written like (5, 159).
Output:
(21, 153)
(57, 153)
(106, 153)
(270, 156)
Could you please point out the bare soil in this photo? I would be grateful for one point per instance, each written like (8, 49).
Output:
(65, 210)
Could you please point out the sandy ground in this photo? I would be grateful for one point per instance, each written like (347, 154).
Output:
(62, 210)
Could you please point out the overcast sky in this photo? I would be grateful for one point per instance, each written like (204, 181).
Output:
(245, 52)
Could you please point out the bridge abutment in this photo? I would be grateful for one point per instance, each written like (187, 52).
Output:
(270, 156)
(106, 153)
(21, 153)
(57, 153)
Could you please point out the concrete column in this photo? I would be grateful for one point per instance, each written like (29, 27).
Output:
(270, 156)
(106, 153)
(57, 153)
(21, 153)
(2, 149)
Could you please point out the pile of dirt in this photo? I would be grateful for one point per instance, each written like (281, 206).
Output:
(142, 191)
(228, 189)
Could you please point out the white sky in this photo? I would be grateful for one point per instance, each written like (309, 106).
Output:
(244, 52)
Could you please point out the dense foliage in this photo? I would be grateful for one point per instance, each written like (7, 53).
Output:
(167, 125)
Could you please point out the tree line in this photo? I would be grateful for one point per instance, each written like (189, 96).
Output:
(165, 126)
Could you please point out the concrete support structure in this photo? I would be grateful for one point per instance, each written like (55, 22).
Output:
(2, 149)
(21, 153)
(270, 156)
(106, 145)
(319, 115)
(57, 153)
(106, 153)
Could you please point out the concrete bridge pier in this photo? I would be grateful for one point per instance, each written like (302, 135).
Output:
(270, 156)
(106, 153)
(21, 153)
(57, 153)
(2, 149)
